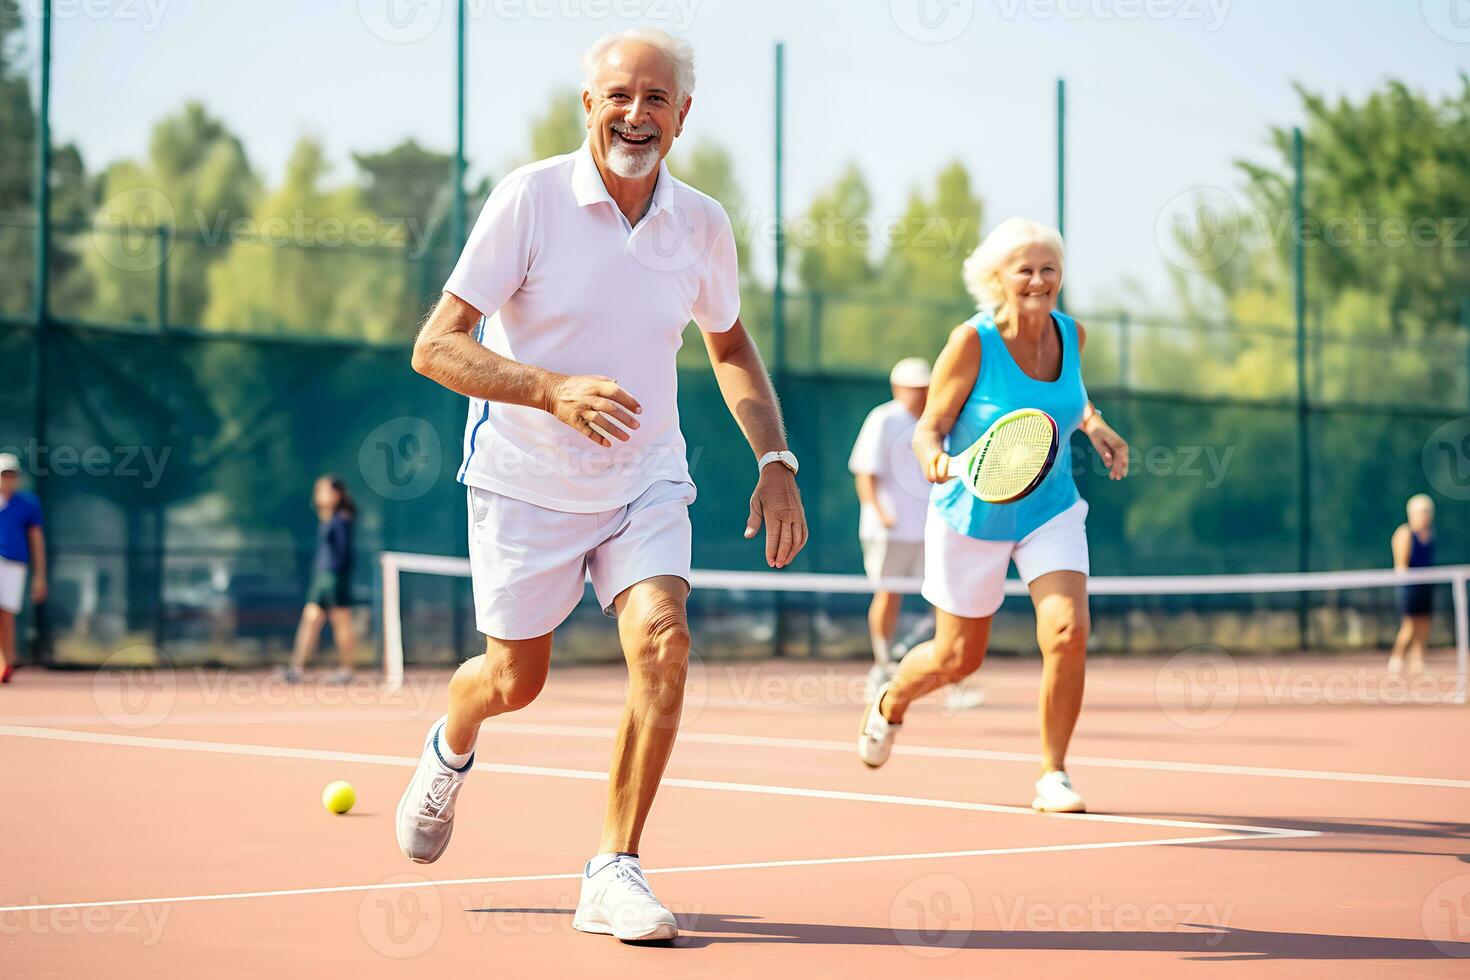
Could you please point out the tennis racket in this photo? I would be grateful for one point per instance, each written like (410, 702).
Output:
(1011, 459)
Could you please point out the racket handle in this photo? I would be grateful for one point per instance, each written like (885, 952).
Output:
(952, 466)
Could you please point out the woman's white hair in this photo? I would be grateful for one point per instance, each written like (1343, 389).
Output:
(678, 50)
(1420, 501)
(982, 268)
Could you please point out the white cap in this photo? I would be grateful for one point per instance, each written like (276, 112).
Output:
(911, 372)
(9, 463)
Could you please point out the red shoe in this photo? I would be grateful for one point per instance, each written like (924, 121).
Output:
(5, 676)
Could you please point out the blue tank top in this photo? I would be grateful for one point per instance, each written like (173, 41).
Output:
(1003, 387)
(1421, 553)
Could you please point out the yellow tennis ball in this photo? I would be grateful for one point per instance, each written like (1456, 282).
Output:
(339, 796)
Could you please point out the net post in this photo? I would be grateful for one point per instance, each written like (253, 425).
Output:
(1462, 638)
(392, 622)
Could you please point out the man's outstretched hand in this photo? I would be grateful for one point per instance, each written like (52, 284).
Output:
(777, 503)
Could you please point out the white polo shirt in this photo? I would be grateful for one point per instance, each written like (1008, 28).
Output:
(567, 284)
(884, 451)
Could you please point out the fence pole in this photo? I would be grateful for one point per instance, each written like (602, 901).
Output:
(778, 293)
(161, 239)
(1462, 639)
(458, 220)
(1062, 171)
(40, 299)
(1303, 428)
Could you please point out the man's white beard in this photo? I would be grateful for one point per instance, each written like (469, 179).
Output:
(630, 163)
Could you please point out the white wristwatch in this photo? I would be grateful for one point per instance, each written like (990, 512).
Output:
(784, 456)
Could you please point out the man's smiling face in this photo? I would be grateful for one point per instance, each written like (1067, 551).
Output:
(634, 110)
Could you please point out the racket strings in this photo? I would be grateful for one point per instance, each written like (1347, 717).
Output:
(1016, 453)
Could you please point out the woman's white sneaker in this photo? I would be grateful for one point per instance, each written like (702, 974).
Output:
(617, 901)
(426, 811)
(877, 734)
(1054, 794)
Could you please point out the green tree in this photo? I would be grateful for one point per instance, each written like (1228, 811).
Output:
(315, 263)
(195, 185)
(561, 128)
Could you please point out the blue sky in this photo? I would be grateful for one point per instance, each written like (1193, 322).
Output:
(1165, 94)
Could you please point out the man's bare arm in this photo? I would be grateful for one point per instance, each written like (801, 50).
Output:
(747, 390)
(446, 352)
(39, 586)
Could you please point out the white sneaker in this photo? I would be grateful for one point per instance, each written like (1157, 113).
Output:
(426, 811)
(617, 902)
(877, 734)
(1054, 794)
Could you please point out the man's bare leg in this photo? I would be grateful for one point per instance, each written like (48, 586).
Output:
(506, 677)
(654, 628)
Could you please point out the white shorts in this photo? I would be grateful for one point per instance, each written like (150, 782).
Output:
(883, 558)
(12, 585)
(966, 576)
(529, 564)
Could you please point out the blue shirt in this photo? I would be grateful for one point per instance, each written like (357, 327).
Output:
(1003, 387)
(17, 516)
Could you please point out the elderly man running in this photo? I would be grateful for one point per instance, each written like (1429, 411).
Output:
(561, 322)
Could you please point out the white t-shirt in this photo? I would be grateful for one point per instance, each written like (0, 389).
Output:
(884, 450)
(566, 284)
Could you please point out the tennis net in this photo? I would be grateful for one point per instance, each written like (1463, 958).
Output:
(427, 615)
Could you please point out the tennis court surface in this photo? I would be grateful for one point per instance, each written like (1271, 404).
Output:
(1297, 817)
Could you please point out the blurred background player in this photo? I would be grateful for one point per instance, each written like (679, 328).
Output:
(895, 498)
(22, 544)
(1413, 547)
(329, 596)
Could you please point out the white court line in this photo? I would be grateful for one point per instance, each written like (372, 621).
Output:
(324, 755)
(797, 863)
(943, 752)
(765, 741)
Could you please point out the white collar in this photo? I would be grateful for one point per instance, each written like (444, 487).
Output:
(588, 187)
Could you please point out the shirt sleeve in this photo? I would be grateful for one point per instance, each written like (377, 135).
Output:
(498, 254)
(867, 452)
(718, 305)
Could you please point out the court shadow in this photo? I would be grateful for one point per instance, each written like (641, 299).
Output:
(1207, 942)
(1340, 836)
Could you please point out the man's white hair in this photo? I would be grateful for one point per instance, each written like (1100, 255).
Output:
(982, 268)
(678, 50)
(1421, 501)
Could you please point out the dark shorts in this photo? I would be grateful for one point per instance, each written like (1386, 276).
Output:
(329, 590)
(1414, 600)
